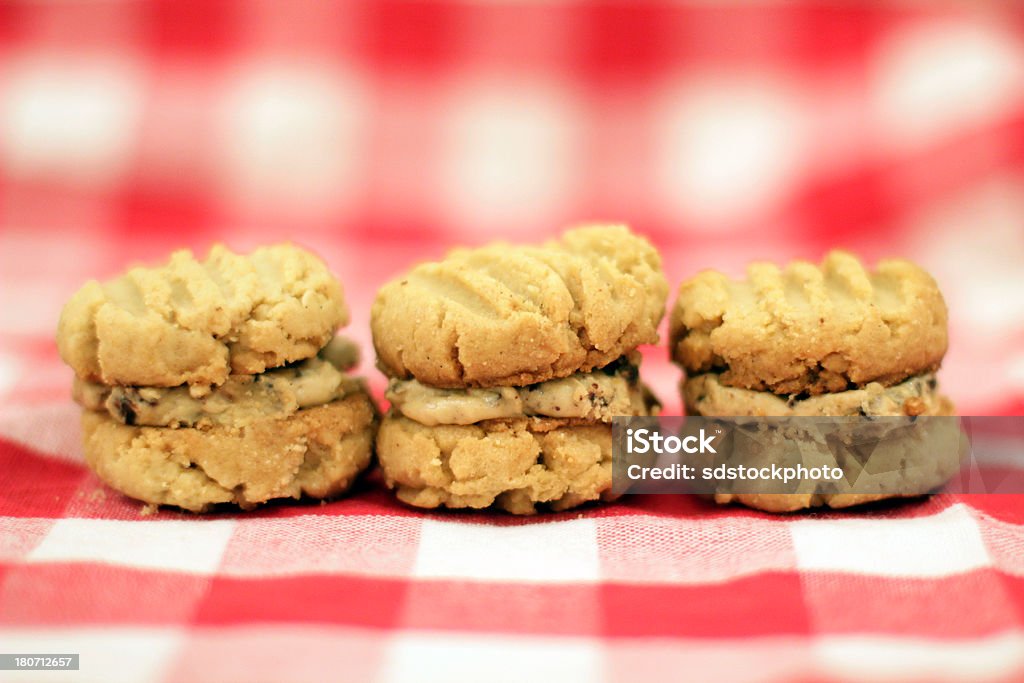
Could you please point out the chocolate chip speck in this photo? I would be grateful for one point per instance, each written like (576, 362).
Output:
(126, 410)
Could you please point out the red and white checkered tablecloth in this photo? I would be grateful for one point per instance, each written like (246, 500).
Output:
(382, 133)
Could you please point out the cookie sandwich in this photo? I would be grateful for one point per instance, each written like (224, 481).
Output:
(506, 365)
(219, 381)
(833, 339)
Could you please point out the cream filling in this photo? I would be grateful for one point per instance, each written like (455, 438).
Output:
(918, 395)
(240, 400)
(598, 396)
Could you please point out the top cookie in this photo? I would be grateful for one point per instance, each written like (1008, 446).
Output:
(811, 329)
(508, 315)
(196, 322)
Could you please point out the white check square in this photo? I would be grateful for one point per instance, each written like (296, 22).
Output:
(939, 545)
(109, 654)
(458, 658)
(186, 546)
(544, 552)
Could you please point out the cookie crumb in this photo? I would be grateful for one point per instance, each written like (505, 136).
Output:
(914, 406)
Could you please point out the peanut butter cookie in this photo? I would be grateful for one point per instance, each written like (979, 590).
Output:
(508, 315)
(316, 452)
(811, 329)
(196, 322)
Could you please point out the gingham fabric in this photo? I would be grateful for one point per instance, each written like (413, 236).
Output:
(381, 133)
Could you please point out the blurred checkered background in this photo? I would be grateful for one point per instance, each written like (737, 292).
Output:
(380, 133)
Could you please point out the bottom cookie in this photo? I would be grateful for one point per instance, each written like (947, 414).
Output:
(880, 458)
(514, 464)
(317, 452)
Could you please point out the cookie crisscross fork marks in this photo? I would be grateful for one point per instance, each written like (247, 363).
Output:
(811, 329)
(197, 322)
(516, 315)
